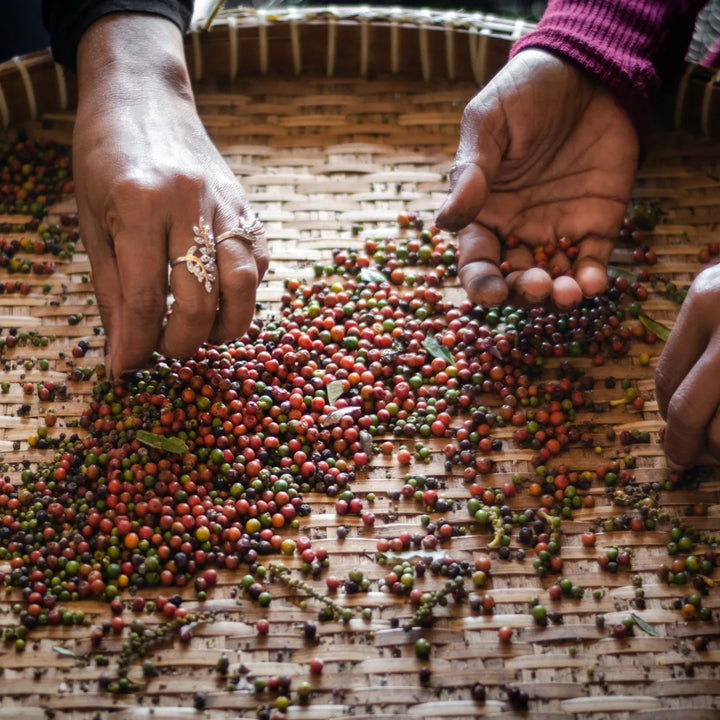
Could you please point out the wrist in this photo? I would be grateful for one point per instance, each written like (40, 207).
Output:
(126, 56)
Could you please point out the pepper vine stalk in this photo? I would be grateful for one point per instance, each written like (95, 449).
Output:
(280, 572)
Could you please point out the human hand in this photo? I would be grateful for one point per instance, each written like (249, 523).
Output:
(545, 153)
(145, 173)
(686, 378)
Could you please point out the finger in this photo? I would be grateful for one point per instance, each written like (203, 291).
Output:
(682, 350)
(518, 258)
(239, 276)
(479, 257)
(195, 296)
(139, 243)
(533, 286)
(566, 292)
(692, 407)
(591, 265)
(261, 253)
(530, 284)
(713, 437)
(106, 280)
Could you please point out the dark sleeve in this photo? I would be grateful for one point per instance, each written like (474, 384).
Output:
(631, 46)
(67, 20)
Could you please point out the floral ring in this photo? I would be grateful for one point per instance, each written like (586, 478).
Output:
(200, 257)
(249, 230)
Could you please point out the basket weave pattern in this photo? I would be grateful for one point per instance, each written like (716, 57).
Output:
(317, 154)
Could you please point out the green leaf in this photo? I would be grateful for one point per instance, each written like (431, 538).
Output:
(162, 442)
(369, 275)
(654, 326)
(437, 350)
(60, 650)
(334, 391)
(615, 272)
(643, 625)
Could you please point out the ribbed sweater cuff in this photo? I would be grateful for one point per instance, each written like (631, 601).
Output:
(630, 46)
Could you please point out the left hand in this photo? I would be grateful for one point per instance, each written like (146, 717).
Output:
(545, 152)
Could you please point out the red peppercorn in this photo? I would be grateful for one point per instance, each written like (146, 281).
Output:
(505, 633)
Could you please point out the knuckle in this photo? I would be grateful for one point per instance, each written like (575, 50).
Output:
(241, 277)
(188, 184)
(146, 305)
(706, 287)
(130, 189)
(132, 197)
(142, 192)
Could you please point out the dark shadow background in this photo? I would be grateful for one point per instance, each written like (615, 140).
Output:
(21, 29)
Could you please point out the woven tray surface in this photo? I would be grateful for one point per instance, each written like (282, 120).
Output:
(316, 157)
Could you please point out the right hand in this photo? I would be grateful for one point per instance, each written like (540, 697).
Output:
(145, 173)
(545, 152)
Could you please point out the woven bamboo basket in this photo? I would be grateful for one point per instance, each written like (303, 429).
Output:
(330, 118)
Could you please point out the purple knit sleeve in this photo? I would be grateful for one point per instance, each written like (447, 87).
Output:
(631, 46)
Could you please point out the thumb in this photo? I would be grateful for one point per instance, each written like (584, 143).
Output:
(483, 141)
(465, 200)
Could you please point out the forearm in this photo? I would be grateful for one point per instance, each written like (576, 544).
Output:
(630, 46)
(67, 20)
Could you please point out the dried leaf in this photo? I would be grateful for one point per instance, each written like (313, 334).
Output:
(643, 625)
(162, 442)
(437, 350)
(615, 272)
(334, 391)
(369, 275)
(336, 416)
(708, 580)
(366, 442)
(60, 650)
(655, 327)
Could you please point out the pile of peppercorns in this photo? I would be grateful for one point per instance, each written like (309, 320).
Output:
(259, 428)
(205, 464)
(34, 174)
